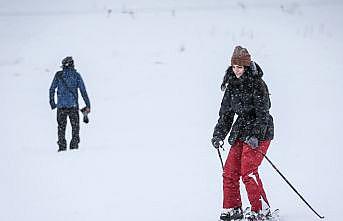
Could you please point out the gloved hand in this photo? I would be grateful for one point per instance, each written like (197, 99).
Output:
(217, 142)
(85, 111)
(53, 105)
(252, 141)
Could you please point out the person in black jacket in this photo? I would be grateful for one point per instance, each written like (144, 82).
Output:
(246, 95)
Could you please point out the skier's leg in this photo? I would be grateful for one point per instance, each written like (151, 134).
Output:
(75, 125)
(61, 128)
(231, 176)
(251, 160)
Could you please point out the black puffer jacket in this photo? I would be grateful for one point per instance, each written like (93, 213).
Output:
(248, 97)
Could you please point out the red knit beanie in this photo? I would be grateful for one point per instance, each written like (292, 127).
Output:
(240, 56)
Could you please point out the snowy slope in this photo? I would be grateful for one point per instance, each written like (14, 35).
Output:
(153, 72)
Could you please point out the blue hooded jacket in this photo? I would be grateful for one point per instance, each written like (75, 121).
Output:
(67, 94)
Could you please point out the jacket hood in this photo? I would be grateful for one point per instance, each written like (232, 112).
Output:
(253, 71)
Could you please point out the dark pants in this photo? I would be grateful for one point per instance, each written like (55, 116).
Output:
(62, 114)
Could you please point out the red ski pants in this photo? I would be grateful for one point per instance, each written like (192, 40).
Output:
(243, 161)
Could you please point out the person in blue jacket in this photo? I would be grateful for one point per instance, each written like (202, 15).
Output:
(67, 81)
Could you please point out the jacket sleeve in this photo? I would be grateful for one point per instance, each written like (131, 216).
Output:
(226, 116)
(52, 89)
(83, 91)
(262, 105)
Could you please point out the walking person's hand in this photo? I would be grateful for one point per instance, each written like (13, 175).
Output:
(85, 110)
(217, 142)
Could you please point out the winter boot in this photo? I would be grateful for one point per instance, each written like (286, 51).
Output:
(231, 214)
(74, 146)
(253, 216)
(262, 215)
(62, 146)
(74, 143)
(267, 213)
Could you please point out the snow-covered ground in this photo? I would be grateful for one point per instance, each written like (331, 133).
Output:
(153, 72)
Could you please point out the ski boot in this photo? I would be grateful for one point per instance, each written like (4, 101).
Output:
(231, 214)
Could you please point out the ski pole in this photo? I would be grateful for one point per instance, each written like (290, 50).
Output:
(285, 179)
(220, 156)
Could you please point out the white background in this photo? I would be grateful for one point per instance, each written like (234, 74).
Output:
(153, 71)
